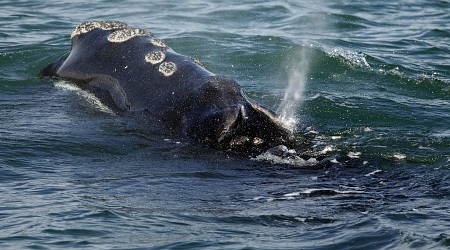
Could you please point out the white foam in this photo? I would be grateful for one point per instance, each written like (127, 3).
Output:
(257, 198)
(89, 97)
(373, 173)
(351, 187)
(399, 156)
(335, 161)
(367, 129)
(426, 148)
(292, 194)
(350, 57)
(313, 132)
(293, 160)
(354, 154)
(301, 219)
(322, 190)
(326, 150)
(442, 134)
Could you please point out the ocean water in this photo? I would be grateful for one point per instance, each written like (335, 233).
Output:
(368, 88)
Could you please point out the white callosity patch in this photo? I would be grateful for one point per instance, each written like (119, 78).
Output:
(158, 42)
(104, 25)
(155, 57)
(167, 68)
(122, 35)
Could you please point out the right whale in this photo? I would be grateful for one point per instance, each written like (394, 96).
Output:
(132, 72)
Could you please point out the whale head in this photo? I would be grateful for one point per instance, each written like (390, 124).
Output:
(228, 120)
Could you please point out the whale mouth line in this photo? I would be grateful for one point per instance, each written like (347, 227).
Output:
(253, 126)
(290, 127)
(230, 130)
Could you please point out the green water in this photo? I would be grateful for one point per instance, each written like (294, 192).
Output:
(375, 111)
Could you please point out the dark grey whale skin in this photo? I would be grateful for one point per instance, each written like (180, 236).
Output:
(192, 102)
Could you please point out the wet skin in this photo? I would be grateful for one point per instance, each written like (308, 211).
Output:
(132, 72)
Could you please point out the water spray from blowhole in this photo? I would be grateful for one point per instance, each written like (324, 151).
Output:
(298, 68)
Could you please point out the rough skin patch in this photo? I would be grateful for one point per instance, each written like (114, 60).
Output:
(104, 25)
(123, 35)
(155, 57)
(158, 42)
(198, 62)
(167, 68)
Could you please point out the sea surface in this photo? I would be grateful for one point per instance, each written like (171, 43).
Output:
(368, 86)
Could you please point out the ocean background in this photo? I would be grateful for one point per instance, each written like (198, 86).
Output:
(368, 86)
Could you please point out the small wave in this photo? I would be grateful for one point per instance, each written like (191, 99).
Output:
(324, 61)
(434, 33)
(311, 192)
(373, 172)
(275, 220)
(352, 58)
(354, 155)
(322, 192)
(89, 97)
(442, 134)
(75, 232)
(399, 156)
(339, 59)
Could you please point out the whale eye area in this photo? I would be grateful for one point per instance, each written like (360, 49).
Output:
(167, 68)
(155, 57)
(104, 25)
(123, 35)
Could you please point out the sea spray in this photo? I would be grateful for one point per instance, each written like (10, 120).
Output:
(298, 68)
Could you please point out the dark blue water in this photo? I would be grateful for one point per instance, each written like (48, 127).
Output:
(372, 173)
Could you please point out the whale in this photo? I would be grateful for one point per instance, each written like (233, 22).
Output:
(134, 73)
